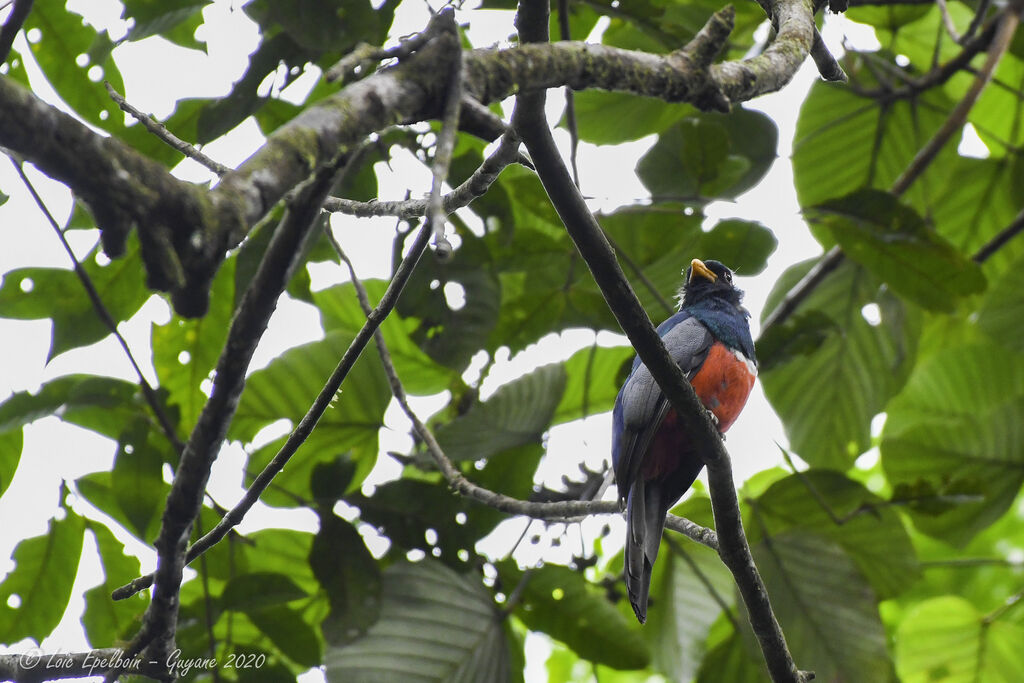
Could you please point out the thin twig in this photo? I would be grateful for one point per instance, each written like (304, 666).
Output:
(184, 500)
(14, 22)
(475, 186)
(159, 130)
(586, 234)
(1005, 29)
(148, 393)
(947, 21)
(1000, 240)
(977, 21)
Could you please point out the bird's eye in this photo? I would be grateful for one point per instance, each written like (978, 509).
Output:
(728, 276)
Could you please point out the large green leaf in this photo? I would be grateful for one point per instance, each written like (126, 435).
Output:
(599, 116)
(946, 639)
(827, 394)
(98, 488)
(58, 294)
(289, 384)
(517, 414)
(254, 591)
(954, 439)
(137, 479)
(348, 573)
(734, 660)
(688, 585)
(10, 456)
(558, 601)
(706, 156)
(1002, 309)
(339, 310)
(593, 376)
(185, 350)
(289, 632)
(36, 592)
(103, 404)
(105, 620)
(435, 626)
(845, 142)
(176, 20)
(452, 335)
(327, 25)
(419, 515)
(892, 241)
(861, 523)
(826, 608)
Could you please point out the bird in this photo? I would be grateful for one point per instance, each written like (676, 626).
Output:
(654, 459)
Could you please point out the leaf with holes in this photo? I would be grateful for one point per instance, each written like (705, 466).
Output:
(35, 594)
(107, 620)
(827, 397)
(558, 601)
(58, 294)
(449, 627)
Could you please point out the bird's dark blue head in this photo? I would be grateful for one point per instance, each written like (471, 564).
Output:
(708, 279)
(709, 295)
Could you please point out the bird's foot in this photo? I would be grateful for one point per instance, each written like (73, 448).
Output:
(714, 421)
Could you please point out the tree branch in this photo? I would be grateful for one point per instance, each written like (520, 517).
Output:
(582, 227)
(14, 22)
(185, 230)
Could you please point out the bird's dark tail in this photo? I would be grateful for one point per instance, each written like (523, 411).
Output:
(645, 521)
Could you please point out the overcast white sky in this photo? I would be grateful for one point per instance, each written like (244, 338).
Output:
(156, 74)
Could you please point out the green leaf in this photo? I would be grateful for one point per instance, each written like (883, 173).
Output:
(686, 159)
(289, 633)
(185, 350)
(1002, 309)
(290, 383)
(863, 524)
(827, 397)
(57, 294)
(326, 25)
(685, 608)
(517, 414)
(946, 639)
(732, 660)
(284, 551)
(706, 156)
(447, 625)
(176, 20)
(339, 310)
(98, 488)
(845, 142)
(558, 601)
(44, 573)
(599, 116)
(891, 241)
(593, 376)
(137, 479)
(954, 436)
(448, 335)
(102, 404)
(10, 456)
(348, 573)
(105, 620)
(64, 35)
(258, 590)
(742, 245)
(825, 607)
(407, 509)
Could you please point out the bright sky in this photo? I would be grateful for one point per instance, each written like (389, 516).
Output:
(156, 74)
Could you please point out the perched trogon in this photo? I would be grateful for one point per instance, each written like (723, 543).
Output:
(655, 459)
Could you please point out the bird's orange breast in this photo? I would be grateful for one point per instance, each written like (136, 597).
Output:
(723, 383)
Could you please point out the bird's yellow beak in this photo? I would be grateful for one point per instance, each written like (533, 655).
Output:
(697, 267)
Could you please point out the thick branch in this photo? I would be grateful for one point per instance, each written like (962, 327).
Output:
(185, 230)
(585, 232)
